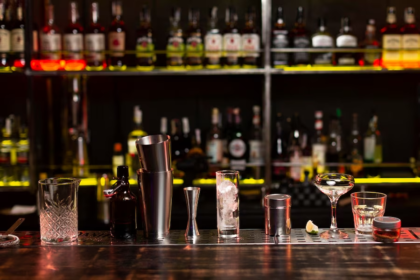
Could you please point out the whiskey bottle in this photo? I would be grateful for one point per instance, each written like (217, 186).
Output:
(346, 39)
(50, 37)
(194, 42)
(370, 42)
(410, 40)
(391, 40)
(300, 39)
(250, 41)
(280, 39)
(215, 139)
(322, 39)
(123, 207)
(231, 40)
(175, 47)
(17, 41)
(256, 148)
(95, 41)
(73, 36)
(213, 42)
(319, 147)
(117, 38)
(4, 36)
(145, 47)
(237, 144)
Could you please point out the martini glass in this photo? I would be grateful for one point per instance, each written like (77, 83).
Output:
(334, 185)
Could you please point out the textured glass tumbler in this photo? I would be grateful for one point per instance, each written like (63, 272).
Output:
(58, 210)
(227, 183)
(366, 206)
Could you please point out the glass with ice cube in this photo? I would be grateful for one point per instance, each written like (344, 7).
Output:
(227, 183)
(366, 206)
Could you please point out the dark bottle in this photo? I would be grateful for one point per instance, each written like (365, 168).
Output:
(145, 46)
(370, 42)
(256, 147)
(334, 144)
(346, 39)
(300, 39)
(194, 41)
(4, 36)
(279, 150)
(50, 37)
(319, 144)
(123, 203)
(73, 36)
(186, 136)
(237, 143)
(391, 40)
(231, 40)
(117, 38)
(322, 39)
(177, 146)
(175, 47)
(294, 149)
(95, 41)
(250, 41)
(280, 39)
(410, 40)
(17, 41)
(213, 42)
(355, 144)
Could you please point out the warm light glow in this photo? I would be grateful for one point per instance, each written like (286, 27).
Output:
(74, 65)
(47, 64)
(19, 63)
(243, 182)
(386, 180)
(14, 184)
(133, 182)
(332, 68)
(89, 182)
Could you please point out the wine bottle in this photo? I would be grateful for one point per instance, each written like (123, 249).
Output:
(73, 36)
(95, 41)
(250, 41)
(194, 42)
(117, 38)
(231, 40)
(175, 47)
(215, 139)
(50, 37)
(145, 46)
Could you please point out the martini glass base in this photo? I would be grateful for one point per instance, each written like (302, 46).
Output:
(334, 234)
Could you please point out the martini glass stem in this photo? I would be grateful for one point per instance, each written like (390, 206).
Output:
(333, 215)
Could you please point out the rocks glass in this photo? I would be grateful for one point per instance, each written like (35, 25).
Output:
(227, 183)
(366, 206)
(58, 210)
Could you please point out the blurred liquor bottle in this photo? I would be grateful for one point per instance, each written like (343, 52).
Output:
(300, 39)
(256, 146)
(215, 139)
(373, 146)
(117, 158)
(95, 41)
(237, 144)
(231, 40)
(176, 140)
(355, 144)
(410, 40)
(334, 144)
(186, 135)
(117, 38)
(17, 40)
(50, 37)
(319, 147)
(391, 40)
(280, 39)
(370, 42)
(250, 41)
(194, 42)
(322, 39)
(346, 39)
(294, 149)
(213, 42)
(73, 36)
(280, 150)
(136, 133)
(4, 36)
(175, 48)
(145, 47)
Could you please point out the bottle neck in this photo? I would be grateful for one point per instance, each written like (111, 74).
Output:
(2, 9)
(19, 13)
(391, 18)
(73, 13)
(213, 23)
(117, 11)
(50, 15)
(410, 18)
(95, 14)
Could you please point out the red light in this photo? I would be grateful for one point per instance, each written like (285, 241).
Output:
(74, 64)
(46, 65)
(19, 63)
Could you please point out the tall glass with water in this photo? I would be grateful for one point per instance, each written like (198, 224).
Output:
(58, 210)
(227, 183)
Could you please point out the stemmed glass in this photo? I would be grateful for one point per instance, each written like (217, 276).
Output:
(334, 185)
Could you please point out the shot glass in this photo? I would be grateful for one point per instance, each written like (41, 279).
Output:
(227, 183)
(366, 206)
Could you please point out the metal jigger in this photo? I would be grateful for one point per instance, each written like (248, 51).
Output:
(191, 197)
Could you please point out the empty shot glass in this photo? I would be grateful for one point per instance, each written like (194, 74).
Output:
(366, 206)
(227, 183)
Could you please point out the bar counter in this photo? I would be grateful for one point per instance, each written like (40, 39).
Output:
(290, 261)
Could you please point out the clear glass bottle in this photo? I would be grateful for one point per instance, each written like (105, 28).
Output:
(117, 38)
(213, 42)
(300, 39)
(175, 47)
(322, 39)
(145, 47)
(194, 42)
(95, 41)
(280, 39)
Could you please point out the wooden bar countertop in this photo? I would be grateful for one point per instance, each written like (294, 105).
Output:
(333, 261)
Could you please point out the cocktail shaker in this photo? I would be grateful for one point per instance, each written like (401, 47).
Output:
(155, 182)
(277, 214)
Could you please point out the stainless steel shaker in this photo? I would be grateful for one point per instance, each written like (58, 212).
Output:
(155, 182)
(277, 214)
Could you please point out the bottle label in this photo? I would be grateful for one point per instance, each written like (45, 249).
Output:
(369, 150)
(145, 47)
(231, 45)
(280, 40)
(411, 46)
(194, 47)
(213, 46)
(215, 150)
(95, 45)
(51, 43)
(392, 45)
(35, 40)
(4, 40)
(348, 41)
(237, 148)
(73, 43)
(132, 150)
(175, 47)
(250, 45)
(322, 41)
(346, 61)
(116, 41)
(301, 57)
(318, 156)
(256, 151)
(18, 40)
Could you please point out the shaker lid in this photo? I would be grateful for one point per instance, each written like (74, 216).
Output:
(387, 222)
(277, 200)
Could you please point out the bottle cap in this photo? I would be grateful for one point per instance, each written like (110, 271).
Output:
(387, 222)
(117, 147)
(122, 171)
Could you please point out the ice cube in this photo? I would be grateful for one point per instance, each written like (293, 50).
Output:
(226, 186)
